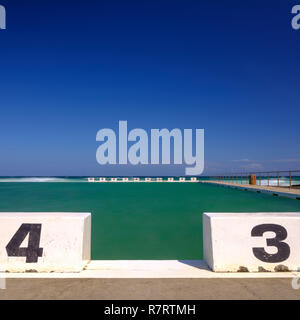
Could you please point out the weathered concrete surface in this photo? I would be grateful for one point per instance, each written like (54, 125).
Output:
(153, 280)
(280, 191)
(251, 241)
(90, 289)
(44, 241)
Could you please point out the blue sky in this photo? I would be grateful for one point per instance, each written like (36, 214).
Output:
(69, 69)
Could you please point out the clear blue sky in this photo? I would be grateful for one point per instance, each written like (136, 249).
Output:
(70, 68)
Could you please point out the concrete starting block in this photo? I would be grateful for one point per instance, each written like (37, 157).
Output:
(44, 242)
(254, 242)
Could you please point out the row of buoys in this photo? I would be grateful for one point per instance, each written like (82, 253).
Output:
(136, 179)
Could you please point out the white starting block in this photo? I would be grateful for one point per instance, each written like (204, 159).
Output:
(44, 242)
(254, 242)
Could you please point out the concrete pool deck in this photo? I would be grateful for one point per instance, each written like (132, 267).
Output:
(149, 279)
(278, 191)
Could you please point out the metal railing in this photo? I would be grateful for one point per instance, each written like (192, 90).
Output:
(286, 179)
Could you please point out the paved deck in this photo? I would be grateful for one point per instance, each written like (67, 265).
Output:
(152, 279)
(279, 191)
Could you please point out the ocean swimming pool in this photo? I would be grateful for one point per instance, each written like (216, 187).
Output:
(140, 221)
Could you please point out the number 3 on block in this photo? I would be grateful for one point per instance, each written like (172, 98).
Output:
(33, 251)
(283, 249)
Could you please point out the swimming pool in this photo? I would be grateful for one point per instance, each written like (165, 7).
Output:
(140, 221)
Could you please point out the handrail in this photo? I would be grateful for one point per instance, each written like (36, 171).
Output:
(263, 178)
(255, 172)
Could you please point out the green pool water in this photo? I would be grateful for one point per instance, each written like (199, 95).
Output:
(140, 220)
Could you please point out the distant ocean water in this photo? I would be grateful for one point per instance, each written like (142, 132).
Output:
(137, 220)
(61, 179)
(43, 179)
(264, 181)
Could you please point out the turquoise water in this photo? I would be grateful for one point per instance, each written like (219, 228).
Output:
(140, 220)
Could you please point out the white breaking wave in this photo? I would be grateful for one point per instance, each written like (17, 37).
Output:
(42, 179)
(285, 182)
(273, 182)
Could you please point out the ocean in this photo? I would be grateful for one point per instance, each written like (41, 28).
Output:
(137, 220)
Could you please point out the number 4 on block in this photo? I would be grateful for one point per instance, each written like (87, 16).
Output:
(44, 241)
(33, 251)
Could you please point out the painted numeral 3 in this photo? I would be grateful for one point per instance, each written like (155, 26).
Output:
(282, 247)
